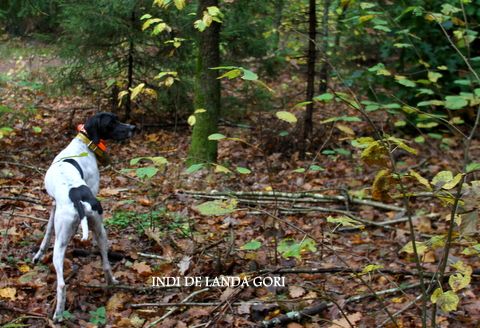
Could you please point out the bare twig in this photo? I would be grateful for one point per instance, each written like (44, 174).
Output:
(186, 299)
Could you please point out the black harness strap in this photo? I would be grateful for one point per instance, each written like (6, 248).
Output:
(74, 163)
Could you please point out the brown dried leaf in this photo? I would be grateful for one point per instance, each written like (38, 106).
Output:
(296, 291)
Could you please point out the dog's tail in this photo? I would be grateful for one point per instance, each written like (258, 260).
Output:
(84, 194)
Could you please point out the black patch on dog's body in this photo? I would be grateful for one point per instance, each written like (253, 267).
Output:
(84, 194)
(74, 163)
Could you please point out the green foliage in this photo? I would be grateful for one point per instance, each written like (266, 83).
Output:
(217, 207)
(288, 247)
(99, 316)
(161, 218)
(252, 245)
(147, 172)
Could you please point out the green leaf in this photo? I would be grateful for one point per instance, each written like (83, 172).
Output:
(455, 102)
(288, 247)
(404, 81)
(252, 245)
(149, 22)
(315, 168)
(402, 45)
(146, 172)
(243, 170)
(194, 168)
(442, 178)
(157, 160)
(463, 82)
(382, 28)
(216, 136)
(192, 120)
(419, 139)
(472, 167)
(324, 97)
(217, 207)
(249, 75)
(231, 74)
(434, 76)
(37, 129)
(299, 170)
(286, 116)
(99, 316)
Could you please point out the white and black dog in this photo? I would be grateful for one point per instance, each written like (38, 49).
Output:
(73, 181)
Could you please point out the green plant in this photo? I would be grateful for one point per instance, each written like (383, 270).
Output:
(99, 316)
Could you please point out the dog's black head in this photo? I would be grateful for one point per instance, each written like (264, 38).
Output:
(107, 126)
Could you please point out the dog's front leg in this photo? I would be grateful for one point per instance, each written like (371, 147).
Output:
(64, 228)
(102, 242)
(46, 238)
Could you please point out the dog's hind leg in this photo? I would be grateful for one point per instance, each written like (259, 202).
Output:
(100, 234)
(46, 239)
(65, 226)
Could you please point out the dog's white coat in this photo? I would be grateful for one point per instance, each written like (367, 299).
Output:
(59, 179)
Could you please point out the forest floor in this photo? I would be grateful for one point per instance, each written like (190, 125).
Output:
(156, 229)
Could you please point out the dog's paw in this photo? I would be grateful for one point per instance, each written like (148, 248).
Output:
(37, 258)
(112, 281)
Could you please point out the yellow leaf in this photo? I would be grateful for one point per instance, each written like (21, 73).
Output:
(180, 4)
(366, 18)
(420, 179)
(24, 268)
(169, 81)
(221, 169)
(451, 184)
(382, 184)
(345, 129)
(286, 116)
(192, 120)
(436, 294)
(115, 303)
(459, 281)
(375, 154)
(200, 110)
(8, 292)
(135, 91)
(421, 248)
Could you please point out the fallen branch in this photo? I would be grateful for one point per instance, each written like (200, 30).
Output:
(274, 196)
(319, 307)
(129, 287)
(186, 299)
(23, 199)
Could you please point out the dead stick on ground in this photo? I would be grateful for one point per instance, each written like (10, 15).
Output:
(186, 299)
(319, 307)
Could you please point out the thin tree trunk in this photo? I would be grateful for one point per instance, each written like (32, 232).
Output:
(207, 91)
(311, 58)
(277, 21)
(131, 50)
(323, 76)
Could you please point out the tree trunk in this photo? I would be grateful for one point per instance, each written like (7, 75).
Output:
(277, 22)
(131, 49)
(323, 76)
(207, 91)
(311, 58)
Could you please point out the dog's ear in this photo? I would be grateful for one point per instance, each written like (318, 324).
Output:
(92, 128)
